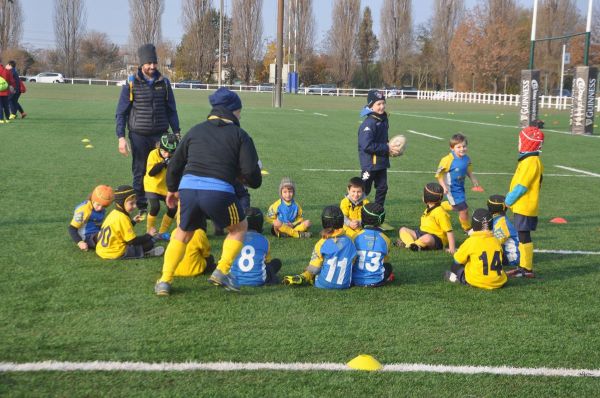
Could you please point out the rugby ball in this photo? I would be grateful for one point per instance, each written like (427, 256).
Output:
(398, 143)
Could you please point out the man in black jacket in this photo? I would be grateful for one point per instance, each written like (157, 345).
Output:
(202, 173)
(147, 106)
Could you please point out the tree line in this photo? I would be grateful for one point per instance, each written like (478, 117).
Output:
(482, 48)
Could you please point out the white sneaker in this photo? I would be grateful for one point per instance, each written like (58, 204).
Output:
(156, 251)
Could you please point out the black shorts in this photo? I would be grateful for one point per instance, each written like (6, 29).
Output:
(525, 223)
(133, 251)
(460, 206)
(438, 245)
(196, 205)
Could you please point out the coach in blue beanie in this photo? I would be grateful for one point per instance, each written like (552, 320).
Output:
(225, 98)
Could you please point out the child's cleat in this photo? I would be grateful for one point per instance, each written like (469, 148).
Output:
(156, 251)
(304, 234)
(224, 280)
(12, 116)
(520, 272)
(450, 276)
(23, 115)
(166, 236)
(162, 288)
(293, 280)
(414, 247)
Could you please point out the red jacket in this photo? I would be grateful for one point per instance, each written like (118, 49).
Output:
(6, 75)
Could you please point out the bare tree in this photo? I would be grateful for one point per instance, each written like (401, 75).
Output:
(341, 39)
(246, 36)
(69, 28)
(300, 39)
(145, 22)
(446, 17)
(395, 38)
(366, 45)
(11, 24)
(99, 55)
(199, 44)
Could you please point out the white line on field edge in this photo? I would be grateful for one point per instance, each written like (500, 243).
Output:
(426, 135)
(484, 124)
(577, 170)
(565, 251)
(319, 114)
(433, 172)
(297, 366)
(299, 110)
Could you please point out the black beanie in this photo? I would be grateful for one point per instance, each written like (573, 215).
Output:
(147, 54)
(122, 193)
(373, 96)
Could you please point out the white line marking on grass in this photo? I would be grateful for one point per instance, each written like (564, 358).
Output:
(565, 252)
(319, 114)
(298, 367)
(484, 123)
(577, 170)
(299, 110)
(425, 135)
(433, 172)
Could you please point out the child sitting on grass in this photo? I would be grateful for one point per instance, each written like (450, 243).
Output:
(435, 231)
(478, 261)
(372, 268)
(352, 205)
(504, 231)
(286, 215)
(254, 266)
(331, 262)
(88, 217)
(117, 239)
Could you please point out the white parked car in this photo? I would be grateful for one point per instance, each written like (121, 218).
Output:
(47, 77)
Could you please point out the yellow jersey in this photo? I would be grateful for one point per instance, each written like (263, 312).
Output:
(481, 254)
(528, 174)
(116, 230)
(352, 212)
(157, 183)
(436, 221)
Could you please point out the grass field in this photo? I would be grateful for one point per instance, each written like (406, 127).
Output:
(60, 304)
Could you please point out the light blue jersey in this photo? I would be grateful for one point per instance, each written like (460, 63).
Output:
(455, 171)
(249, 267)
(506, 233)
(338, 255)
(372, 247)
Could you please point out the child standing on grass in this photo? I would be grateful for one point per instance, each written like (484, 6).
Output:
(352, 205)
(478, 261)
(435, 230)
(117, 239)
(372, 268)
(504, 230)
(286, 215)
(254, 265)
(334, 254)
(88, 217)
(451, 173)
(155, 185)
(524, 196)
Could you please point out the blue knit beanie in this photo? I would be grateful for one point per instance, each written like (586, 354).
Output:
(226, 98)
(373, 96)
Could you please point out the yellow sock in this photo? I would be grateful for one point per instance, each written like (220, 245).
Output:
(526, 250)
(165, 224)
(420, 244)
(173, 255)
(406, 238)
(308, 277)
(465, 224)
(231, 248)
(289, 231)
(446, 205)
(151, 221)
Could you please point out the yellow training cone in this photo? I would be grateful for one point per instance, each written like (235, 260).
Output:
(85, 140)
(89, 146)
(264, 172)
(365, 362)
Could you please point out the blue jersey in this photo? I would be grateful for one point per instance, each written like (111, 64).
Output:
(372, 247)
(87, 220)
(455, 171)
(249, 266)
(336, 256)
(506, 233)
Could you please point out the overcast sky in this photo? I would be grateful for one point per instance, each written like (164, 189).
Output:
(112, 17)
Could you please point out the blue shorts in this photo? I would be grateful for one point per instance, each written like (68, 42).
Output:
(196, 205)
(525, 223)
(438, 245)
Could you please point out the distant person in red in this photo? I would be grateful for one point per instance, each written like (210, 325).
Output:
(7, 87)
(19, 89)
